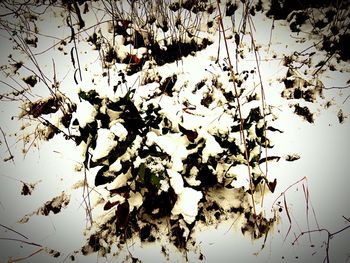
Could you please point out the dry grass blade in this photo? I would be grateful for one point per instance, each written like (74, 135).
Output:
(306, 195)
(288, 216)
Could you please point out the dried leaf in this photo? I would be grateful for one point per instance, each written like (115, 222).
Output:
(269, 158)
(122, 214)
(30, 80)
(292, 157)
(272, 185)
(27, 189)
(191, 135)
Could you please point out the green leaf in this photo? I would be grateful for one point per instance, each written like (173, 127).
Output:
(155, 180)
(90, 96)
(141, 173)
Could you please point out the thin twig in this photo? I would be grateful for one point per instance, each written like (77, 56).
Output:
(289, 187)
(20, 240)
(270, 39)
(345, 87)
(26, 257)
(238, 107)
(324, 63)
(346, 99)
(263, 105)
(86, 197)
(12, 230)
(11, 157)
(329, 237)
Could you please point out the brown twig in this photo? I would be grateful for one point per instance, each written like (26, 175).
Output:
(238, 107)
(323, 63)
(263, 105)
(283, 194)
(26, 257)
(345, 87)
(329, 237)
(86, 197)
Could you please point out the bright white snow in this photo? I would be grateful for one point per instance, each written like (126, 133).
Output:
(187, 198)
(119, 130)
(104, 144)
(85, 113)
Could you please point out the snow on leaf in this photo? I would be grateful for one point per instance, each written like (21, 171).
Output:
(174, 144)
(116, 166)
(85, 113)
(187, 198)
(135, 200)
(212, 147)
(103, 177)
(119, 181)
(191, 179)
(116, 199)
(187, 204)
(292, 157)
(176, 181)
(104, 144)
(240, 173)
(119, 130)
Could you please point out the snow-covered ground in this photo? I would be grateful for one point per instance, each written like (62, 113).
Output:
(318, 200)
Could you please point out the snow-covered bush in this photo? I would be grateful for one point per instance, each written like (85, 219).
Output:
(167, 151)
(160, 160)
